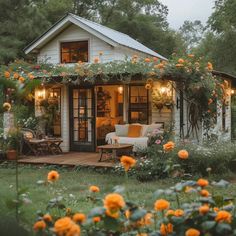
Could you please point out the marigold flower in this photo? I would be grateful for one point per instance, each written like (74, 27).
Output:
(168, 146)
(179, 212)
(16, 75)
(96, 219)
(166, 229)
(181, 61)
(192, 232)
(155, 59)
(127, 162)
(74, 230)
(7, 74)
(148, 86)
(31, 76)
(204, 193)
(6, 106)
(216, 209)
(210, 101)
(63, 225)
(47, 218)
(209, 66)
(127, 214)
(53, 176)
(113, 214)
(114, 202)
(191, 55)
(170, 213)
(223, 216)
(147, 59)
(94, 189)
(21, 79)
(39, 225)
(146, 220)
(202, 183)
(183, 154)
(161, 205)
(159, 66)
(179, 65)
(204, 209)
(79, 217)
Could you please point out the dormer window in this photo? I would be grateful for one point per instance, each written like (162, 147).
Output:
(73, 52)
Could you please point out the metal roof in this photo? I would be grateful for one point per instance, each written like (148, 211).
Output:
(108, 34)
(118, 37)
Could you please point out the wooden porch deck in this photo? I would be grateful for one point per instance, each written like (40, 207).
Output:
(68, 159)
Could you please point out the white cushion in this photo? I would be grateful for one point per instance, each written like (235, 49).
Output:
(152, 127)
(121, 130)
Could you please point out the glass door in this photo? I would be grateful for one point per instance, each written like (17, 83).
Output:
(82, 122)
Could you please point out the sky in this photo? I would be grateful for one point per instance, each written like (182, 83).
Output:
(181, 10)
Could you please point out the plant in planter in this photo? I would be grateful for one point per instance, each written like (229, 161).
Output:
(12, 142)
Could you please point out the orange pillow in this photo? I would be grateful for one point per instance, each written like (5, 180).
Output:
(134, 131)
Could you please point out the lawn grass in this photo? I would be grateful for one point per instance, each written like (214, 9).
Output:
(73, 186)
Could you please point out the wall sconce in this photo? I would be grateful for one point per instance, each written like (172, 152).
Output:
(120, 89)
(232, 91)
(41, 94)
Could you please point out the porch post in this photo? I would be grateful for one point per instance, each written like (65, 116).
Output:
(126, 103)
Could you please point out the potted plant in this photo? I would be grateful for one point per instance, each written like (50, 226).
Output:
(12, 143)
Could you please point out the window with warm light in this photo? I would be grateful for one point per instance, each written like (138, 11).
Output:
(73, 52)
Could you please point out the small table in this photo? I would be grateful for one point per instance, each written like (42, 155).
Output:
(54, 145)
(114, 148)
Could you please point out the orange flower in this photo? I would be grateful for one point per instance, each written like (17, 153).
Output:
(148, 86)
(113, 214)
(179, 65)
(202, 183)
(191, 55)
(146, 220)
(183, 154)
(166, 229)
(74, 230)
(170, 213)
(203, 209)
(127, 214)
(94, 189)
(79, 217)
(223, 216)
(47, 218)
(155, 59)
(159, 66)
(147, 59)
(114, 202)
(39, 225)
(31, 77)
(96, 60)
(127, 162)
(179, 212)
(192, 232)
(216, 209)
(181, 61)
(16, 75)
(53, 176)
(7, 74)
(161, 205)
(62, 225)
(21, 79)
(168, 146)
(204, 193)
(209, 66)
(96, 219)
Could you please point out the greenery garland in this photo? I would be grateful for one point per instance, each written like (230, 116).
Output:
(193, 76)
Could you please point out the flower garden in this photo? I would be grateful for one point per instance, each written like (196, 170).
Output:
(169, 189)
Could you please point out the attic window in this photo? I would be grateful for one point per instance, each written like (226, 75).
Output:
(73, 52)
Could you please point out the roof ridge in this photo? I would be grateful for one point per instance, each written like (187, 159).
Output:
(93, 22)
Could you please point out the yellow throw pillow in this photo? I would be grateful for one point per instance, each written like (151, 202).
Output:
(134, 131)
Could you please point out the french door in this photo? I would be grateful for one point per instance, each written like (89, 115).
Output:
(82, 119)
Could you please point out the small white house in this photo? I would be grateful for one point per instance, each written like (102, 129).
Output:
(85, 114)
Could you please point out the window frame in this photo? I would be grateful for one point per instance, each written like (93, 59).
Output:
(74, 41)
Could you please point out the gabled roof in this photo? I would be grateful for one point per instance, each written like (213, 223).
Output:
(106, 34)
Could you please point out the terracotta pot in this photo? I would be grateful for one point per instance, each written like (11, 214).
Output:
(11, 154)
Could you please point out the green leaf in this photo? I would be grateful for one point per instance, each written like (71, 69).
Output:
(111, 223)
(138, 214)
(208, 225)
(223, 228)
(97, 211)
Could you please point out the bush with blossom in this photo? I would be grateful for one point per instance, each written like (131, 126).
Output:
(201, 213)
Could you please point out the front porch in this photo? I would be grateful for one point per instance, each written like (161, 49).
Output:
(70, 159)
